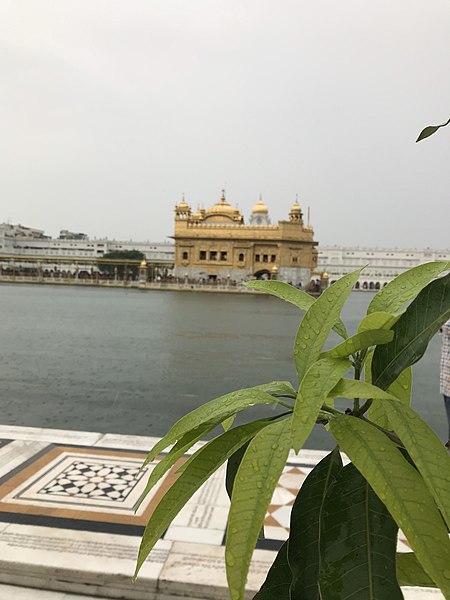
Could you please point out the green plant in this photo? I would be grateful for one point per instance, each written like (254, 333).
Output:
(430, 130)
(345, 519)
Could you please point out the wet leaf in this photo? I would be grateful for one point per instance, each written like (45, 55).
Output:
(426, 450)
(320, 378)
(278, 580)
(167, 461)
(207, 460)
(405, 287)
(304, 537)
(410, 571)
(294, 296)
(358, 541)
(377, 320)
(318, 321)
(253, 488)
(412, 332)
(214, 412)
(400, 389)
(352, 388)
(401, 489)
(358, 342)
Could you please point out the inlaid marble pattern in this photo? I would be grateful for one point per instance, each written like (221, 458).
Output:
(84, 484)
(94, 478)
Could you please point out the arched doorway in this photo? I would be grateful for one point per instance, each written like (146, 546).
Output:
(357, 285)
(377, 285)
(263, 274)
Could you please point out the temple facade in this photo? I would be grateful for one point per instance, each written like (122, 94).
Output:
(217, 245)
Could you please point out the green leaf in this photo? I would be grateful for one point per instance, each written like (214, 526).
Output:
(357, 543)
(228, 422)
(304, 537)
(353, 388)
(233, 465)
(297, 297)
(377, 320)
(405, 287)
(255, 483)
(278, 580)
(412, 332)
(410, 571)
(430, 130)
(278, 389)
(401, 488)
(320, 378)
(426, 450)
(201, 466)
(232, 468)
(176, 452)
(285, 291)
(358, 342)
(212, 413)
(318, 321)
(400, 389)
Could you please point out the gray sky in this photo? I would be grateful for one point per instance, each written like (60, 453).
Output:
(109, 110)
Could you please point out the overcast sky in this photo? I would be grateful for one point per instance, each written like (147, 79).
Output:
(110, 110)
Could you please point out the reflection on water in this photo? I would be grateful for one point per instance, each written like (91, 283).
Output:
(133, 362)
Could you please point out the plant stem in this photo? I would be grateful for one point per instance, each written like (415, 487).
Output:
(331, 410)
(285, 404)
(364, 408)
(387, 433)
(357, 377)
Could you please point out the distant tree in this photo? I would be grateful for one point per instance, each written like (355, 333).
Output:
(118, 261)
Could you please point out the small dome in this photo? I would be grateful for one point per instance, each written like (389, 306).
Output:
(260, 207)
(295, 208)
(143, 264)
(183, 205)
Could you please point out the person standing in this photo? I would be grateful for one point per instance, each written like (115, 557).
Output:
(445, 373)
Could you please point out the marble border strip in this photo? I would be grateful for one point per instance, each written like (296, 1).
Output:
(56, 436)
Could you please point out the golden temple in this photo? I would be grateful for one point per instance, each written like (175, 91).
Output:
(217, 245)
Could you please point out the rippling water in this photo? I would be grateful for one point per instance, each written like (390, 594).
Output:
(130, 361)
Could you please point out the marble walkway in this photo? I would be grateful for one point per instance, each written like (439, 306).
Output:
(68, 528)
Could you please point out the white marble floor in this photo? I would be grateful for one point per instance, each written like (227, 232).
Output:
(68, 528)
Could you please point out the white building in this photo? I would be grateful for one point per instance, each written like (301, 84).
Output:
(16, 240)
(383, 264)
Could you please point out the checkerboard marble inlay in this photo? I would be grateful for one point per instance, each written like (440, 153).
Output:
(85, 485)
(93, 478)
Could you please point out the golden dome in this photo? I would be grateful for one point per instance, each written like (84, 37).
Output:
(143, 264)
(295, 208)
(222, 207)
(183, 205)
(260, 207)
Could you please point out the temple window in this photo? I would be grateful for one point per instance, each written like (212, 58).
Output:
(294, 259)
(223, 255)
(257, 258)
(273, 258)
(265, 258)
(213, 255)
(241, 257)
(185, 256)
(202, 255)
